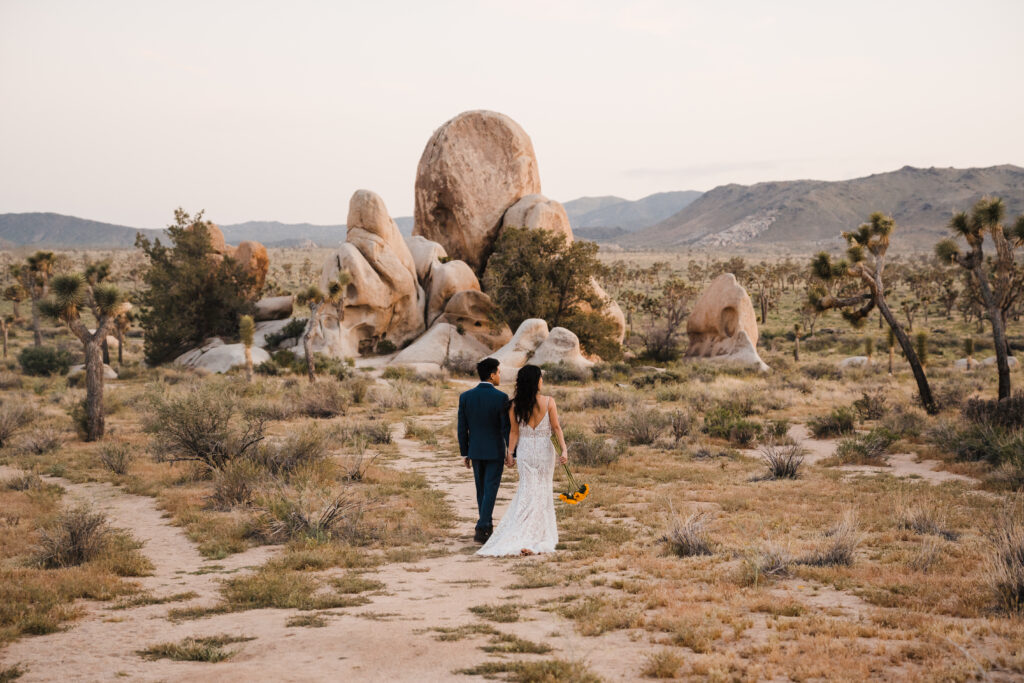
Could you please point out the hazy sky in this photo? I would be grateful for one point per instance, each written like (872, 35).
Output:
(121, 111)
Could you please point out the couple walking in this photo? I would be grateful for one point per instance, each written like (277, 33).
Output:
(495, 433)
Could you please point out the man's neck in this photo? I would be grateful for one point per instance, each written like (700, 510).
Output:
(487, 381)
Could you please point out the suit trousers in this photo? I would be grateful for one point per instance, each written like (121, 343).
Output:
(487, 475)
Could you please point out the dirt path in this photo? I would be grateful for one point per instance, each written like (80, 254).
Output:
(390, 638)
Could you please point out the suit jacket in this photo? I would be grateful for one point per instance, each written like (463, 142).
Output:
(483, 422)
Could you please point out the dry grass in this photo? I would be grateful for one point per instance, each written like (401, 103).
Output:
(781, 461)
(1005, 570)
(663, 664)
(197, 649)
(688, 536)
(543, 671)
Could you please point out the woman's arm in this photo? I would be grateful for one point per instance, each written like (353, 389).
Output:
(513, 438)
(556, 427)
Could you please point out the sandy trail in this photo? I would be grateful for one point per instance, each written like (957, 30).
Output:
(388, 639)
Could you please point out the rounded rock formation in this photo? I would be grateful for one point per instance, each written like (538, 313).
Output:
(723, 324)
(473, 312)
(447, 280)
(537, 212)
(440, 345)
(383, 298)
(561, 347)
(474, 167)
(516, 353)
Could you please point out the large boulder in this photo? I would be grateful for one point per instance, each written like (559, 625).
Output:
(252, 256)
(473, 312)
(383, 299)
(474, 167)
(425, 255)
(854, 362)
(437, 346)
(537, 212)
(447, 280)
(216, 356)
(516, 353)
(108, 372)
(264, 329)
(561, 347)
(723, 324)
(274, 308)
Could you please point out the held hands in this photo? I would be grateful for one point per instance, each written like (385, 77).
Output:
(509, 460)
(469, 465)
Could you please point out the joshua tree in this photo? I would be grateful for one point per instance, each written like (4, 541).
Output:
(5, 324)
(15, 293)
(921, 346)
(33, 276)
(70, 293)
(892, 351)
(318, 300)
(796, 340)
(863, 270)
(246, 330)
(999, 281)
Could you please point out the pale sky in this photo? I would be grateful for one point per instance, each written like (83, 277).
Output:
(121, 111)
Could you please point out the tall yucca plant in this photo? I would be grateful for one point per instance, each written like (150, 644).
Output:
(318, 301)
(999, 281)
(246, 333)
(862, 271)
(69, 294)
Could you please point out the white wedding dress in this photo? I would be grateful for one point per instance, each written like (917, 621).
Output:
(529, 522)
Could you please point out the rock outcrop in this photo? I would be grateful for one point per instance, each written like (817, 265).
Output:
(447, 280)
(383, 298)
(561, 347)
(473, 312)
(516, 353)
(537, 212)
(216, 356)
(723, 324)
(274, 308)
(474, 167)
(854, 362)
(439, 345)
(108, 372)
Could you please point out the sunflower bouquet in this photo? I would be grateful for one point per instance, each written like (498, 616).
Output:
(576, 493)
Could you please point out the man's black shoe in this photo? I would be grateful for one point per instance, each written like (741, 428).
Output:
(481, 535)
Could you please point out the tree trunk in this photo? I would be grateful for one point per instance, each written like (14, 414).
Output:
(796, 349)
(248, 363)
(892, 359)
(93, 390)
(925, 391)
(307, 342)
(998, 331)
(15, 311)
(36, 333)
(120, 347)
(3, 327)
(106, 351)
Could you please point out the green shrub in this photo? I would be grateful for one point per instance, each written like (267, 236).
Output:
(866, 449)
(839, 421)
(563, 374)
(294, 328)
(385, 346)
(75, 537)
(43, 361)
(871, 406)
(592, 451)
(728, 421)
(1008, 412)
(14, 416)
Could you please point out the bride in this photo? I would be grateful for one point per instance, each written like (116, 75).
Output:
(528, 526)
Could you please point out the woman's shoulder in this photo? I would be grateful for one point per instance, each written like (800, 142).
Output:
(546, 401)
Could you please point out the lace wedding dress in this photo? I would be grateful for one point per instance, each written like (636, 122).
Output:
(529, 522)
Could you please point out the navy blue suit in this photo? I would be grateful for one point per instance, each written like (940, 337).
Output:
(483, 438)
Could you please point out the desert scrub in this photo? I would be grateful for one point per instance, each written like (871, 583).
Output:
(203, 424)
(865, 449)
(922, 518)
(324, 399)
(205, 649)
(592, 450)
(688, 536)
(41, 440)
(839, 546)
(1005, 570)
(15, 415)
(781, 461)
(840, 421)
(595, 614)
(641, 426)
(79, 535)
(601, 398)
(663, 664)
(764, 564)
(116, 457)
(729, 421)
(871, 404)
(309, 513)
(536, 671)
(500, 613)
(300, 449)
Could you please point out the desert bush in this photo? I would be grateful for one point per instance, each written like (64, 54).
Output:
(43, 361)
(323, 399)
(393, 396)
(116, 457)
(9, 380)
(979, 442)
(866, 449)
(41, 440)
(782, 461)
(904, 422)
(681, 423)
(300, 448)
(308, 513)
(207, 649)
(707, 452)
(23, 482)
(923, 519)
(359, 388)
(641, 426)
(14, 416)
(777, 430)
(688, 536)
(559, 373)
(235, 484)
(601, 398)
(202, 424)
(839, 548)
(355, 465)
(651, 379)
(294, 328)
(592, 451)
(432, 395)
(76, 536)
(819, 371)
(1007, 413)
(1006, 562)
(871, 404)
(461, 366)
(728, 421)
(367, 432)
(839, 421)
(765, 563)
(272, 408)
(663, 664)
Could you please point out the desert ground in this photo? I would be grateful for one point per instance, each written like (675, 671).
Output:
(811, 523)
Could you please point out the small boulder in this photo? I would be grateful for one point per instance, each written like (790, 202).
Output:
(516, 353)
(108, 372)
(991, 360)
(854, 362)
(441, 343)
(274, 308)
(266, 328)
(216, 356)
(447, 280)
(561, 347)
(537, 212)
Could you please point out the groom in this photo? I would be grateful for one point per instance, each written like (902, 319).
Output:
(483, 435)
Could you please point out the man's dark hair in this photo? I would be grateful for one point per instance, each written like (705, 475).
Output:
(486, 368)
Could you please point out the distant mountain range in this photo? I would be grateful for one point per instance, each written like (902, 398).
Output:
(795, 213)
(813, 213)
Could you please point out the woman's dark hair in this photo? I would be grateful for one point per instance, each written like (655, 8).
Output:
(525, 398)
